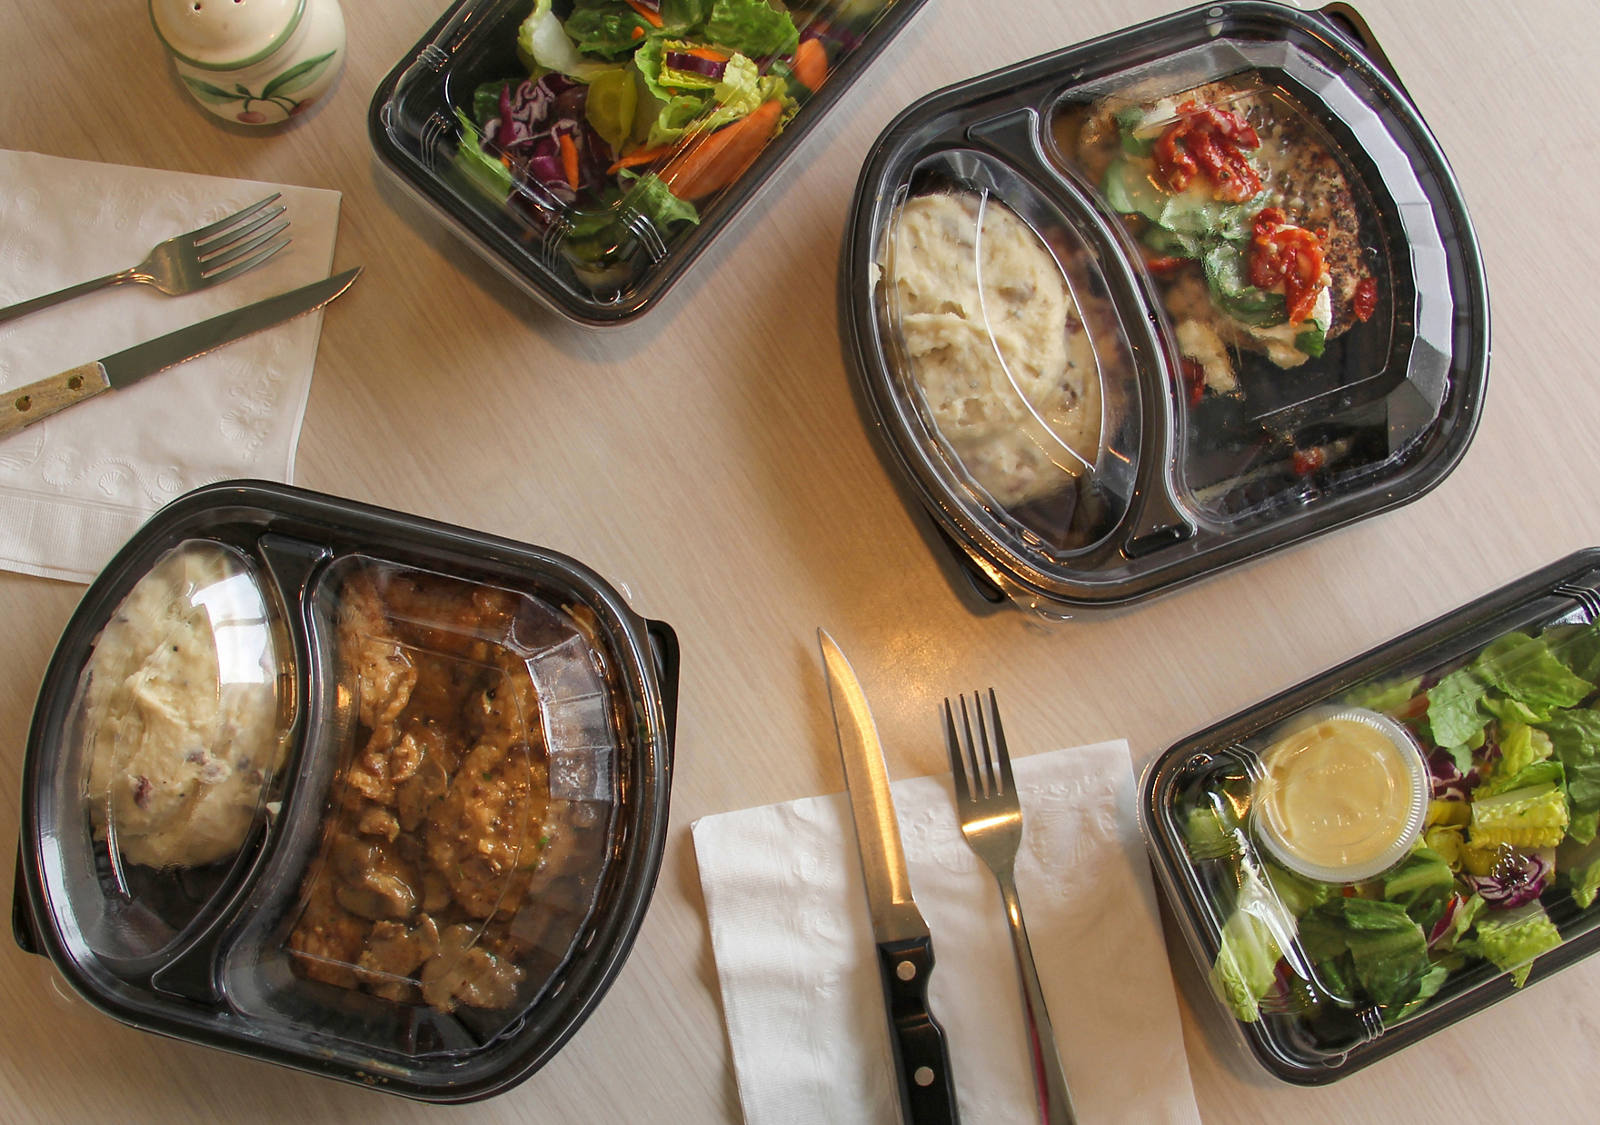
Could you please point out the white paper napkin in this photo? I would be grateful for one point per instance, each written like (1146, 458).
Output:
(800, 987)
(73, 488)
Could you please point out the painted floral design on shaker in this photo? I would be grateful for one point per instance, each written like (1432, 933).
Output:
(274, 93)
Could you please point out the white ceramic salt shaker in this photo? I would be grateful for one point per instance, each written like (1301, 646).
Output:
(258, 62)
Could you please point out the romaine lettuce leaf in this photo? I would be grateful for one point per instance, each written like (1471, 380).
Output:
(478, 166)
(1253, 939)
(1453, 713)
(1525, 669)
(1386, 949)
(650, 196)
(752, 27)
(544, 44)
(1511, 939)
(1576, 738)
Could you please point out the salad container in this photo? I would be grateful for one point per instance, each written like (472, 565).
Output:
(1371, 855)
(590, 151)
(1135, 311)
(347, 790)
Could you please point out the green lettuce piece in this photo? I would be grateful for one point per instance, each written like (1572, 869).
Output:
(1427, 987)
(612, 29)
(1421, 884)
(1535, 816)
(1453, 713)
(1253, 940)
(609, 107)
(1511, 939)
(1297, 893)
(752, 27)
(543, 44)
(478, 166)
(1509, 710)
(1376, 943)
(1579, 864)
(1211, 832)
(1576, 738)
(1312, 339)
(1578, 647)
(649, 196)
(1531, 776)
(1525, 669)
(1584, 827)
(1387, 698)
(486, 100)
(1463, 921)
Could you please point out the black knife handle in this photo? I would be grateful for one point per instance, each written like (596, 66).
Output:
(921, 1062)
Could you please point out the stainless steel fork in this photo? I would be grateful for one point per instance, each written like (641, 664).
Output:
(991, 820)
(188, 262)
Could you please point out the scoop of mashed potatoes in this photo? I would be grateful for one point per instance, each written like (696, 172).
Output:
(180, 712)
(995, 343)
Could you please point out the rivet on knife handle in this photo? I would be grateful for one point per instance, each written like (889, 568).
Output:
(27, 405)
(922, 1062)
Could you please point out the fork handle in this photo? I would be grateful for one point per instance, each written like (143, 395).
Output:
(1049, 1080)
(34, 304)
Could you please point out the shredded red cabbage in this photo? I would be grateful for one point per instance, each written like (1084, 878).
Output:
(533, 118)
(1516, 881)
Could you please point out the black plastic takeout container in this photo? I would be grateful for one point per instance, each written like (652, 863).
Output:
(1152, 439)
(359, 793)
(545, 244)
(1511, 814)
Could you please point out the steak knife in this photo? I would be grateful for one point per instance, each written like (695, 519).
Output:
(23, 406)
(905, 950)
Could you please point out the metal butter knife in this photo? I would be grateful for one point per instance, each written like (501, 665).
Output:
(26, 405)
(905, 950)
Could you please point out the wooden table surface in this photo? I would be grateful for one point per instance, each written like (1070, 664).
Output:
(710, 459)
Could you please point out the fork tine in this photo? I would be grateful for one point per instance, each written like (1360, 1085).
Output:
(227, 221)
(972, 753)
(248, 264)
(983, 737)
(223, 240)
(232, 253)
(1000, 745)
(958, 769)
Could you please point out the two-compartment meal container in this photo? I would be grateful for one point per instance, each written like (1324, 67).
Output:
(1081, 298)
(585, 153)
(347, 790)
(1401, 841)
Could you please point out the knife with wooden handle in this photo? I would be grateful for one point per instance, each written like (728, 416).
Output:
(23, 406)
(905, 950)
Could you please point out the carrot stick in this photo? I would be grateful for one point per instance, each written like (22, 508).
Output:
(649, 17)
(641, 156)
(715, 161)
(810, 63)
(569, 159)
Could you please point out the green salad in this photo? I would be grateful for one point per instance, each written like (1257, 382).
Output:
(1512, 742)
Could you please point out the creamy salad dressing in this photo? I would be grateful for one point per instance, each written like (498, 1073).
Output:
(1338, 796)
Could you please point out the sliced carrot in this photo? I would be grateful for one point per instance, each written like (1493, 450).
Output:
(713, 162)
(569, 159)
(641, 156)
(710, 54)
(649, 17)
(638, 32)
(810, 63)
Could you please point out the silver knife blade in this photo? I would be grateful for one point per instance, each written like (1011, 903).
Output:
(895, 916)
(23, 406)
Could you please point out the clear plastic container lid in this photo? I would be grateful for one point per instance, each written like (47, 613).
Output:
(468, 820)
(1146, 307)
(348, 790)
(1343, 921)
(180, 734)
(592, 152)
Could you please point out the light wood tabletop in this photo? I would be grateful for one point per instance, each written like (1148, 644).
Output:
(711, 460)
